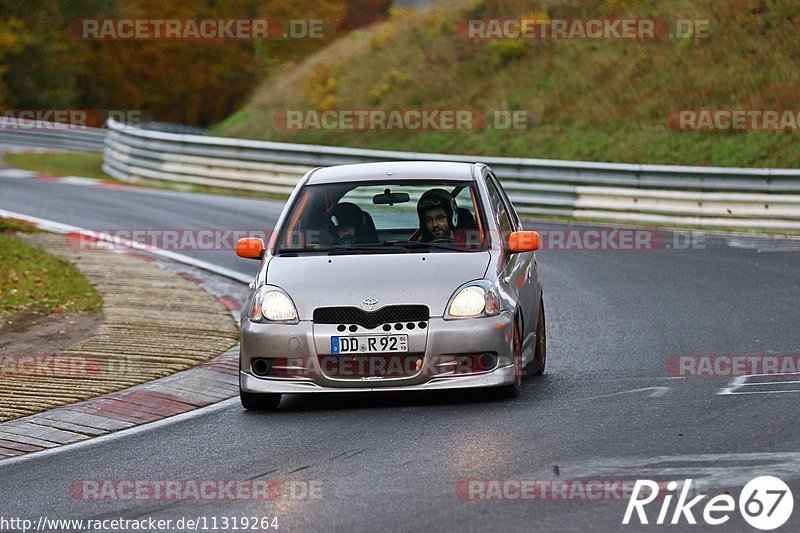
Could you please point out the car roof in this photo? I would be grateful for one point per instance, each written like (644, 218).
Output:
(400, 170)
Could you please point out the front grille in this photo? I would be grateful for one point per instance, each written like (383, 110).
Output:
(371, 319)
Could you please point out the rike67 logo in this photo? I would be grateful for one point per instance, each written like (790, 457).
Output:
(765, 503)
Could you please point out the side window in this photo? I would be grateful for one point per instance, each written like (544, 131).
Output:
(498, 206)
(515, 222)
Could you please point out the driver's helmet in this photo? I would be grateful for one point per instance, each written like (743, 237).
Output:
(342, 215)
(438, 198)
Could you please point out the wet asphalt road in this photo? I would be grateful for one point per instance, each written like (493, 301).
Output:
(608, 408)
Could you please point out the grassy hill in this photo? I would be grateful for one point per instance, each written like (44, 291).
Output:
(584, 99)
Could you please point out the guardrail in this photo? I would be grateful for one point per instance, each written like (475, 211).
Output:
(50, 135)
(744, 198)
(655, 194)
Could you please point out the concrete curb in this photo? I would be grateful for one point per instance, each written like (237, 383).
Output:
(185, 391)
(208, 383)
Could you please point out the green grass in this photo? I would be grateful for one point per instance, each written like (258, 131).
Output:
(32, 279)
(586, 100)
(84, 164)
(9, 225)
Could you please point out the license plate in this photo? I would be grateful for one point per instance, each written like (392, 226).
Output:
(369, 344)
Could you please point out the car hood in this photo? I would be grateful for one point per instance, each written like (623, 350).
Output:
(392, 279)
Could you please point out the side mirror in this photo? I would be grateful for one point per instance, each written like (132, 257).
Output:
(250, 248)
(524, 241)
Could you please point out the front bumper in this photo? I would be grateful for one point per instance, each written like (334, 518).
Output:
(500, 376)
(441, 338)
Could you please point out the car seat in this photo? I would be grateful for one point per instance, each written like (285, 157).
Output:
(370, 234)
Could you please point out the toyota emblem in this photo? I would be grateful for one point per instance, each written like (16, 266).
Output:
(370, 303)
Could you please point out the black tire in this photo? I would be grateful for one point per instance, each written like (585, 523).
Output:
(511, 391)
(536, 366)
(259, 402)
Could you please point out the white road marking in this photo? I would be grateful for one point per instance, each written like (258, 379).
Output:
(78, 180)
(736, 385)
(657, 393)
(16, 173)
(721, 470)
(762, 244)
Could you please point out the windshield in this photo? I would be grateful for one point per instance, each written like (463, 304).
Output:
(385, 217)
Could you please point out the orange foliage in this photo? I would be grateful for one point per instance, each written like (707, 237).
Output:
(195, 82)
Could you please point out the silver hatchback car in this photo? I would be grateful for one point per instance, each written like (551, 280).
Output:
(392, 276)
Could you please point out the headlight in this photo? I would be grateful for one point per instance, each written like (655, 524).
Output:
(476, 298)
(470, 301)
(273, 304)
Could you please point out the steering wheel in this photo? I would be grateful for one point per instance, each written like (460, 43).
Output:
(442, 240)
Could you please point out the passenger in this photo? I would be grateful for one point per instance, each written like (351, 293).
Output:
(438, 217)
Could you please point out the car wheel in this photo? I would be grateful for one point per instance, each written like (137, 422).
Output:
(259, 402)
(536, 366)
(512, 390)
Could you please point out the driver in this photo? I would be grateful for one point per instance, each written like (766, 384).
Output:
(438, 215)
(345, 223)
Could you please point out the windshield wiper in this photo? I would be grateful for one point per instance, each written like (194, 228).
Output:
(341, 248)
(370, 247)
(421, 244)
(306, 249)
(386, 246)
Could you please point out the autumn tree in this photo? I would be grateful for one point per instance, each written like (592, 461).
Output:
(195, 82)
